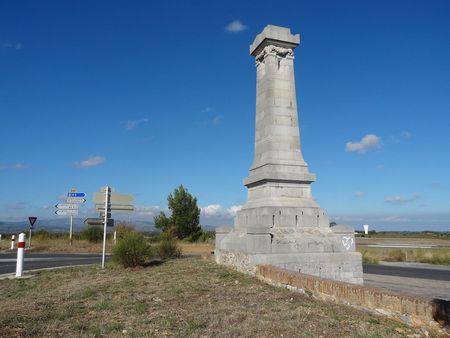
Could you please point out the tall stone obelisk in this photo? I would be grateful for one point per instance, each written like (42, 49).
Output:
(281, 224)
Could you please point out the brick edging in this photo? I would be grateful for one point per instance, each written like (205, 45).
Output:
(418, 310)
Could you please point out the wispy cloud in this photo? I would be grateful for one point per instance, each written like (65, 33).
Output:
(131, 124)
(89, 162)
(368, 142)
(207, 109)
(14, 166)
(17, 206)
(235, 27)
(11, 45)
(359, 194)
(217, 120)
(399, 200)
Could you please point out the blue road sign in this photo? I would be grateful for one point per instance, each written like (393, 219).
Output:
(76, 194)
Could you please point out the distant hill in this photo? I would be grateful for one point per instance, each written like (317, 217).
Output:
(60, 225)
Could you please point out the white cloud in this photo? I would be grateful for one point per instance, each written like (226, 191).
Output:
(89, 162)
(12, 45)
(218, 211)
(399, 200)
(359, 194)
(217, 120)
(235, 27)
(149, 211)
(368, 142)
(14, 166)
(207, 109)
(131, 124)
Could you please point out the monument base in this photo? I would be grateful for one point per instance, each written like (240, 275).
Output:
(322, 252)
(341, 266)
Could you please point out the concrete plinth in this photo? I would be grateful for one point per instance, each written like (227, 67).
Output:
(281, 224)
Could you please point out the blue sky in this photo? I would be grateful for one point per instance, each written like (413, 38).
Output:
(144, 96)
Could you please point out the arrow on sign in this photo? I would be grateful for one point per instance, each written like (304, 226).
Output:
(76, 200)
(76, 194)
(66, 206)
(69, 212)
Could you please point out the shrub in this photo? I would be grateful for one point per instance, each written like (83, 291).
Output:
(93, 234)
(167, 247)
(132, 250)
(123, 229)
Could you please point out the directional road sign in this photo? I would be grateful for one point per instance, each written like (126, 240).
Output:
(76, 194)
(76, 200)
(63, 206)
(115, 207)
(98, 221)
(68, 212)
(99, 198)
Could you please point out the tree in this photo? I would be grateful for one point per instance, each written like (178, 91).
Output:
(185, 219)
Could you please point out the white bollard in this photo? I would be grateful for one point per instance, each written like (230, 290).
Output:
(366, 229)
(0, 237)
(13, 240)
(20, 250)
(115, 237)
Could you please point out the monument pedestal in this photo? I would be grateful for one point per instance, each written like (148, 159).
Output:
(281, 224)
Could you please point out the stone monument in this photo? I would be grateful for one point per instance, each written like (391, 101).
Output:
(281, 224)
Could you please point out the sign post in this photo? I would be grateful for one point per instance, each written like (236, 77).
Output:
(32, 220)
(105, 221)
(74, 200)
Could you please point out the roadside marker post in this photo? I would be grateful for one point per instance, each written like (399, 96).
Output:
(13, 240)
(115, 237)
(20, 250)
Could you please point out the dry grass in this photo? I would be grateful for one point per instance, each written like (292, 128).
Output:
(59, 245)
(185, 297)
(430, 256)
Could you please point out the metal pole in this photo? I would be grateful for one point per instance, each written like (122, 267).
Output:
(20, 249)
(29, 244)
(105, 221)
(71, 227)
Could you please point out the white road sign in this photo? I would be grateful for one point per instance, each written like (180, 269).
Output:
(124, 208)
(67, 212)
(76, 200)
(63, 206)
(99, 198)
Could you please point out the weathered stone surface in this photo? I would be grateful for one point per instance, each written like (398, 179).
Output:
(281, 224)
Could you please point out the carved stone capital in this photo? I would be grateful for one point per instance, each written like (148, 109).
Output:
(271, 49)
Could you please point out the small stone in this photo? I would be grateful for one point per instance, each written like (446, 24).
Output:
(236, 282)
(124, 331)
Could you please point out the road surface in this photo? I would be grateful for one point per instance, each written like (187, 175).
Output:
(423, 273)
(46, 260)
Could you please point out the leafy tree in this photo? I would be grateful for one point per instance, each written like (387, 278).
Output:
(185, 219)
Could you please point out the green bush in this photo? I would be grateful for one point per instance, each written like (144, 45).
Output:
(93, 234)
(123, 229)
(132, 250)
(167, 247)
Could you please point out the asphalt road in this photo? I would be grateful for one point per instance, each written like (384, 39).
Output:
(424, 273)
(46, 260)
(49, 260)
